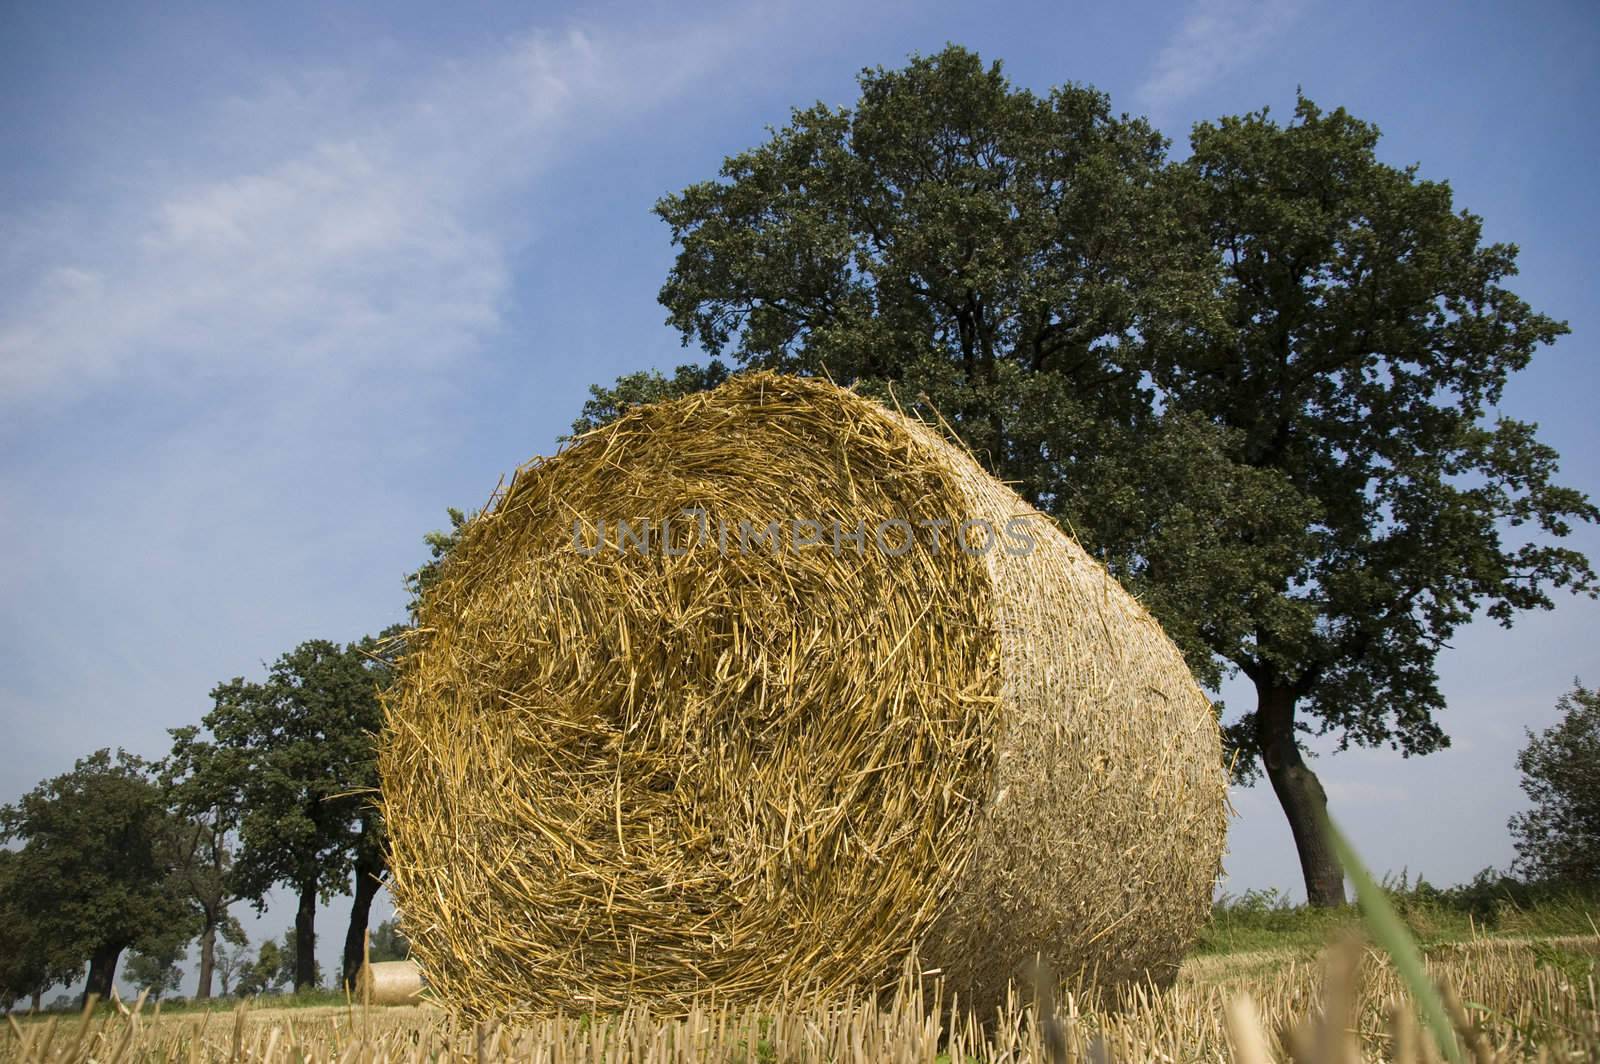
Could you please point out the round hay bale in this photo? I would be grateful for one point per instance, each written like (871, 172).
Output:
(730, 696)
(390, 983)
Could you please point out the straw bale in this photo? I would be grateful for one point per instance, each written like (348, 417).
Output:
(390, 983)
(698, 765)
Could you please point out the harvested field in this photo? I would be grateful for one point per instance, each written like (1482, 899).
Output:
(1514, 1001)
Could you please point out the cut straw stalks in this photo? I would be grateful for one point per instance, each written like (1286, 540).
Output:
(681, 773)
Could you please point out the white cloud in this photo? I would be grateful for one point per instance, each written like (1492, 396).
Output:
(321, 223)
(1215, 38)
(233, 370)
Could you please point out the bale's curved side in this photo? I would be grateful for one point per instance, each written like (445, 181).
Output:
(622, 775)
(1102, 837)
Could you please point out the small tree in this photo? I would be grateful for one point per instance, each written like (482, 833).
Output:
(231, 954)
(275, 967)
(389, 943)
(258, 973)
(1559, 838)
(261, 973)
(204, 783)
(156, 971)
(94, 876)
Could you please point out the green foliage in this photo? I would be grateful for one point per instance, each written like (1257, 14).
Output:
(292, 760)
(156, 972)
(95, 872)
(1365, 344)
(954, 241)
(300, 745)
(389, 943)
(1576, 968)
(1559, 838)
(607, 404)
(273, 968)
(202, 784)
(27, 965)
(1492, 903)
(1265, 919)
(262, 973)
(440, 543)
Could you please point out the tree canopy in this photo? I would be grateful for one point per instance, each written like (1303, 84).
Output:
(275, 966)
(1352, 379)
(295, 754)
(1559, 838)
(94, 875)
(952, 237)
(389, 942)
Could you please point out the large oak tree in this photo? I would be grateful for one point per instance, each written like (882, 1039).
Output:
(1353, 379)
(1261, 384)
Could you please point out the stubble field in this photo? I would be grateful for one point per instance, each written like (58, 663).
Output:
(1511, 997)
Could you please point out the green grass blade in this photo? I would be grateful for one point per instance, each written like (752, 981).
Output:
(1390, 932)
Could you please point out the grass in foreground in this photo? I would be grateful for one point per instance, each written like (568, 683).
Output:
(1489, 906)
(1519, 968)
(1510, 999)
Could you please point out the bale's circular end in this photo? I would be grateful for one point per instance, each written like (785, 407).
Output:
(766, 688)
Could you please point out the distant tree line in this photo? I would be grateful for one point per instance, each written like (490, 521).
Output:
(273, 788)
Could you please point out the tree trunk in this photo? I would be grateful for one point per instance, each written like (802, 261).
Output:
(102, 971)
(208, 959)
(1300, 793)
(369, 877)
(37, 1001)
(305, 939)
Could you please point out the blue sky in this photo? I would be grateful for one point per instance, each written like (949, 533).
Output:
(279, 284)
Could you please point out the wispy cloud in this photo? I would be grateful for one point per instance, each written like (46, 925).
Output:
(228, 368)
(1215, 38)
(365, 233)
